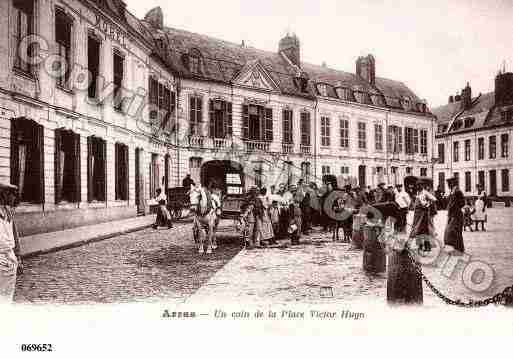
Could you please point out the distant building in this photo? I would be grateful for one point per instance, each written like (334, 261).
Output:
(473, 140)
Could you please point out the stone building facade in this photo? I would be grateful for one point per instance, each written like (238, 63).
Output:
(110, 107)
(474, 138)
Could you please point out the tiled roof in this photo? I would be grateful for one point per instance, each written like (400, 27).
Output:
(483, 112)
(223, 60)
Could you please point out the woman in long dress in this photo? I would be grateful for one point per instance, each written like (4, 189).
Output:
(423, 229)
(264, 226)
(453, 235)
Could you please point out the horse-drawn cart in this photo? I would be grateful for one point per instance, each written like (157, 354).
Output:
(178, 202)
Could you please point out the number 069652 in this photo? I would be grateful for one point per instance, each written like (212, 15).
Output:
(36, 348)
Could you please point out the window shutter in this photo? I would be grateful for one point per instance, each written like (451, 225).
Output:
(269, 124)
(245, 122)
(192, 117)
(127, 171)
(57, 167)
(229, 122)
(90, 169)
(40, 164)
(211, 123)
(76, 153)
(103, 169)
(15, 161)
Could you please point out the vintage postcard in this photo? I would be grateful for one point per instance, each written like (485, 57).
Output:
(265, 167)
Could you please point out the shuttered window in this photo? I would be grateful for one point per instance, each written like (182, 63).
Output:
(305, 129)
(220, 119)
(195, 114)
(63, 27)
(121, 173)
(96, 169)
(27, 164)
(23, 24)
(344, 133)
(67, 166)
(257, 123)
(287, 126)
(325, 131)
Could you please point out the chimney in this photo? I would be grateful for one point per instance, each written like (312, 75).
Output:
(155, 17)
(290, 47)
(504, 89)
(366, 68)
(466, 97)
(451, 99)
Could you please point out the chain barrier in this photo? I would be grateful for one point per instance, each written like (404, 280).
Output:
(503, 298)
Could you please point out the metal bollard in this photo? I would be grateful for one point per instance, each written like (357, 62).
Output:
(404, 284)
(357, 236)
(374, 258)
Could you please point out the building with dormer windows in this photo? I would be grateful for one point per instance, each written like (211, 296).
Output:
(108, 108)
(473, 138)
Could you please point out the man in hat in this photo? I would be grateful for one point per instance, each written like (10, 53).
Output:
(380, 192)
(403, 200)
(9, 245)
(453, 235)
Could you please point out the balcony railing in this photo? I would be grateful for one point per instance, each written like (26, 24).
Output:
(220, 142)
(256, 146)
(306, 149)
(196, 141)
(287, 148)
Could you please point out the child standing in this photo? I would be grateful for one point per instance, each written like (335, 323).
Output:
(295, 222)
(468, 210)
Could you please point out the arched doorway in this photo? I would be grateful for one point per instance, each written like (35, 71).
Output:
(227, 175)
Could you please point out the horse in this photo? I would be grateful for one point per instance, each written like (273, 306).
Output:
(205, 217)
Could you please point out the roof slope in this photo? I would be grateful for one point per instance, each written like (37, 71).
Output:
(223, 61)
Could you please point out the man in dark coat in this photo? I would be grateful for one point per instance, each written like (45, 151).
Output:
(453, 235)
(188, 181)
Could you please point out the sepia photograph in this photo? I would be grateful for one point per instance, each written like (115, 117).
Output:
(287, 162)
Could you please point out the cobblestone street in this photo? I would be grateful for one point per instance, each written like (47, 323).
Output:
(158, 265)
(148, 265)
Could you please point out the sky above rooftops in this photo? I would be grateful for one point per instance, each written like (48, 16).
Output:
(434, 46)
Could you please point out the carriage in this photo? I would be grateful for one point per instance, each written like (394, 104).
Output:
(178, 202)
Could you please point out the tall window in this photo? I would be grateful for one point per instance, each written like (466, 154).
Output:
(378, 137)
(362, 136)
(305, 171)
(394, 139)
(456, 151)
(467, 150)
(121, 175)
(480, 148)
(220, 113)
(468, 181)
(408, 140)
(415, 140)
(441, 152)
(325, 170)
(481, 178)
(195, 114)
(287, 126)
(23, 23)
(27, 159)
(423, 142)
(505, 180)
(457, 176)
(162, 101)
(441, 181)
(195, 62)
(325, 131)
(504, 145)
(344, 170)
(423, 171)
(93, 63)
(257, 123)
(118, 69)
(67, 166)
(492, 147)
(63, 25)
(305, 129)
(96, 169)
(344, 133)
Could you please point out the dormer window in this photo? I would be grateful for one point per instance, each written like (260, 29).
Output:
(469, 122)
(323, 89)
(442, 128)
(456, 125)
(361, 95)
(344, 93)
(301, 83)
(507, 115)
(195, 62)
(406, 103)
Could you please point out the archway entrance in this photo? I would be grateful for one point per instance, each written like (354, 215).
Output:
(226, 175)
